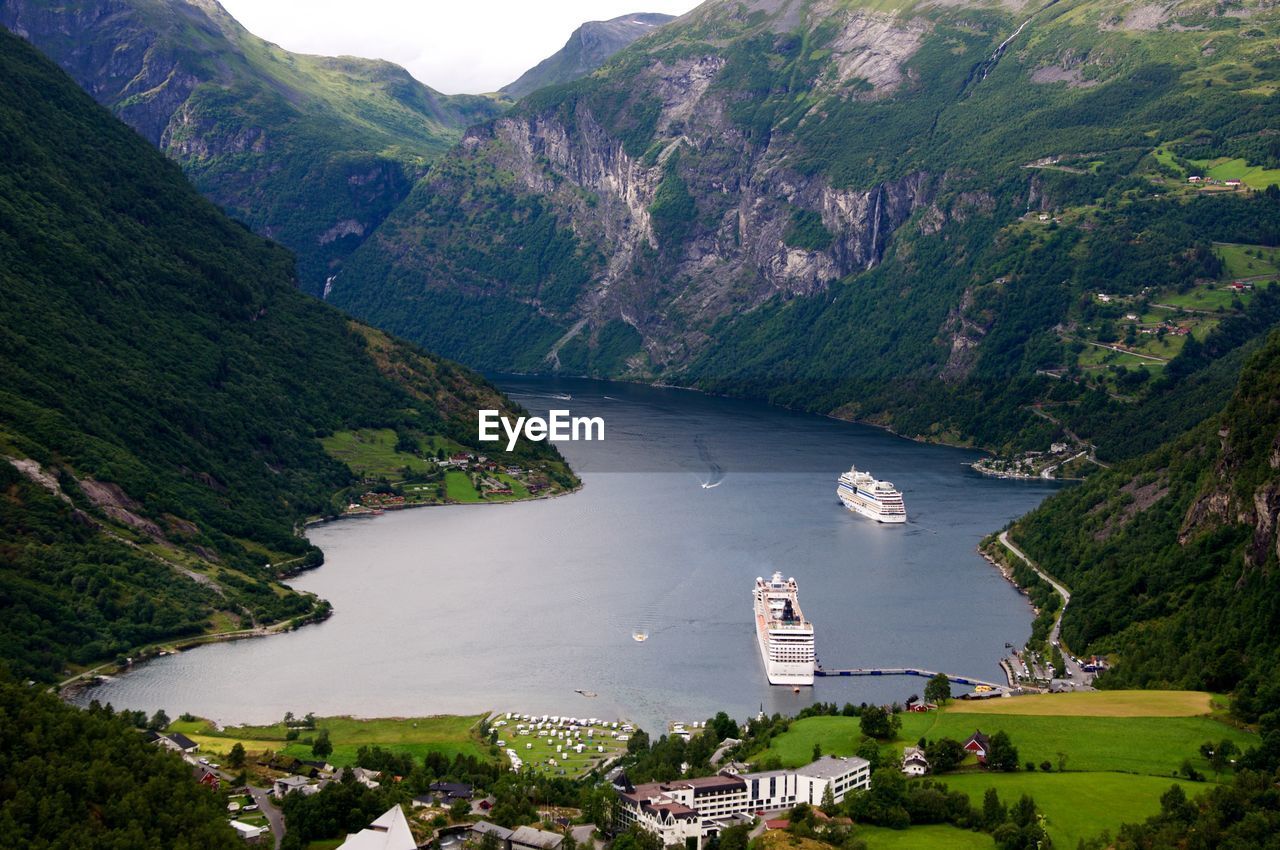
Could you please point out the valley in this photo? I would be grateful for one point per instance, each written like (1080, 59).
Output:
(1020, 258)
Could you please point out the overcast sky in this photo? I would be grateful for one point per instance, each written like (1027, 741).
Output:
(457, 46)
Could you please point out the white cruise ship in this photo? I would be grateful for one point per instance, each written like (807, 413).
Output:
(785, 636)
(874, 499)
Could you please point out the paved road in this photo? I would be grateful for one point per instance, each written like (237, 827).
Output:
(1078, 677)
(275, 817)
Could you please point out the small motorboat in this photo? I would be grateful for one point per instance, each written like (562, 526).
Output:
(640, 637)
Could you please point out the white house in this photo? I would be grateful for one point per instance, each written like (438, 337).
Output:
(913, 761)
(389, 832)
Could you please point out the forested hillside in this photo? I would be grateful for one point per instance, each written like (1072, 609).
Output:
(312, 151)
(947, 218)
(163, 389)
(87, 779)
(1172, 558)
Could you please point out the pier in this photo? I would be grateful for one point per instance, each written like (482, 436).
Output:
(819, 670)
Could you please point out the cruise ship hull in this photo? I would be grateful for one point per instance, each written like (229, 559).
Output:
(866, 511)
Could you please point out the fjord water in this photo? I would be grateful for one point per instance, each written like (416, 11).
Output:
(463, 609)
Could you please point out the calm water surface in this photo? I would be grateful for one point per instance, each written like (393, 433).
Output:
(514, 607)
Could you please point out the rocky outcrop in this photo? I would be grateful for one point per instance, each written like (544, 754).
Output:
(737, 252)
(962, 333)
(1244, 487)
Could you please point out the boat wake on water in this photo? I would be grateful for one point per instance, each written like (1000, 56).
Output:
(715, 474)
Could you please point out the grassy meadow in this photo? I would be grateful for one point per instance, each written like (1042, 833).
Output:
(1122, 751)
(416, 736)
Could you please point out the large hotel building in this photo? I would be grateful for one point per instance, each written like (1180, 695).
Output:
(685, 809)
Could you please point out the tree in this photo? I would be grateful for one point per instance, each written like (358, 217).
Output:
(638, 743)
(322, 747)
(993, 811)
(235, 758)
(938, 690)
(817, 751)
(944, 754)
(459, 810)
(877, 722)
(1001, 753)
(159, 721)
(735, 837)
(828, 804)
(870, 751)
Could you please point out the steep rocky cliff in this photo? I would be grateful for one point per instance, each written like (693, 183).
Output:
(312, 151)
(589, 47)
(826, 204)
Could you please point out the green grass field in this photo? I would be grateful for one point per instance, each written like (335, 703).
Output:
(1127, 744)
(1148, 745)
(933, 837)
(1076, 805)
(1253, 176)
(838, 736)
(1165, 157)
(416, 736)
(372, 452)
(1241, 262)
(460, 488)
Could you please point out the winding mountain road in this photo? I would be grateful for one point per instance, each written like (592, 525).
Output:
(1076, 673)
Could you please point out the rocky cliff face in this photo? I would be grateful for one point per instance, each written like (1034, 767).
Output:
(278, 139)
(706, 219)
(587, 49)
(1245, 484)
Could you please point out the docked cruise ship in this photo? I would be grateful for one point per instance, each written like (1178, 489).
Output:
(873, 499)
(785, 636)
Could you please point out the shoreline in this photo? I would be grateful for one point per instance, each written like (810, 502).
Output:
(928, 441)
(87, 680)
(316, 521)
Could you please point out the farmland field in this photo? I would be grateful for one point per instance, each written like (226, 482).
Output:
(1095, 704)
(416, 736)
(1075, 805)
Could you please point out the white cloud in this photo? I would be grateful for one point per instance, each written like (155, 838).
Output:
(475, 46)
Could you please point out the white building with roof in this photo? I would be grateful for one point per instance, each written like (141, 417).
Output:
(389, 832)
(687, 808)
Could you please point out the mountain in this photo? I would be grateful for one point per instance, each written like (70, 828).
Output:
(588, 48)
(88, 779)
(934, 216)
(1172, 558)
(164, 392)
(311, 151)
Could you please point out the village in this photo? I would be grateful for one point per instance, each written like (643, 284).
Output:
(403, 470)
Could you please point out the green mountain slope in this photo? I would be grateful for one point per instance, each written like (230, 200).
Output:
(87, 779)
(1172, 558)
(837, 206)
(312, 151)
(163, 389)
(589, 47)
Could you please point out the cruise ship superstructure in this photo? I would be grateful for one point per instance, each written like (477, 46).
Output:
(863, 494)
(785, 636)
